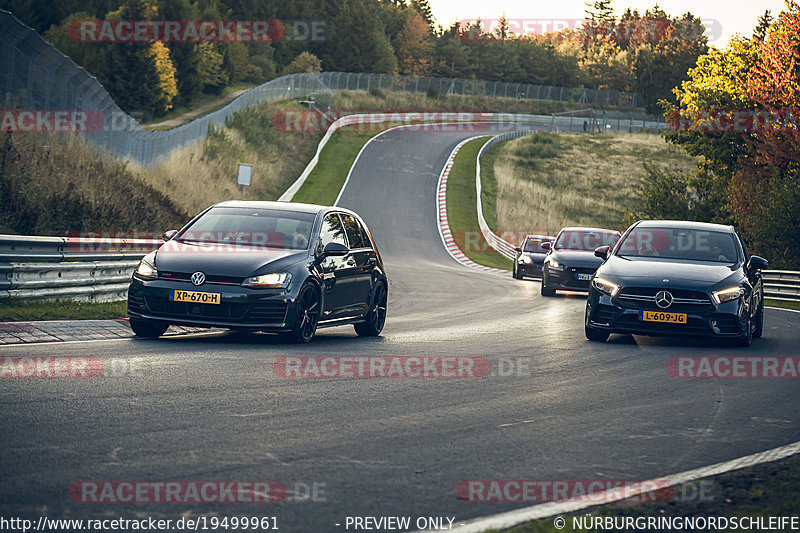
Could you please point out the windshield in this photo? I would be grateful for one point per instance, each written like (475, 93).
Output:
(682, 244)
(270, 228)
(585, 240)
(533, 245)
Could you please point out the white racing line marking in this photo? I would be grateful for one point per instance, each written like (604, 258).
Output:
(544, 510)
(441, 208)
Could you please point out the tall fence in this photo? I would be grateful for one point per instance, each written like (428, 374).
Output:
(36, 76)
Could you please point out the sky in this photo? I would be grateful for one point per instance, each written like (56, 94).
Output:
(726, 17)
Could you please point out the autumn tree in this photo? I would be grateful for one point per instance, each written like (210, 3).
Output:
(413, 47)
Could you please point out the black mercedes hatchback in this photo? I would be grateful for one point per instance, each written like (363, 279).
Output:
(677, 278)
(570, 261)
(263, 266)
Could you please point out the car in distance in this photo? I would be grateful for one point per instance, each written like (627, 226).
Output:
(677, 278)
(570, 261)
(263, 266)
(530, 256)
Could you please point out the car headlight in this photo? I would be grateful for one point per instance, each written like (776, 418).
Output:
(146, 268)
(555, 265)
(726, 295)
(525, 259)
(605, 286)
(278, 280)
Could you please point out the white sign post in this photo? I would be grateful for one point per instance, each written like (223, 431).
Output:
(245, 175)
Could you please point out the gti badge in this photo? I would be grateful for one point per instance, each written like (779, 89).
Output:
(198, 278)
(663, 299)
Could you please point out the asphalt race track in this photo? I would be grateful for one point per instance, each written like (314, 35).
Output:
(211, 408)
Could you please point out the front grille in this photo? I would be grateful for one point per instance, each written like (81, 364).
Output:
(184, 276)
(685, 301)
(163, 306)
(273, 311)
(603, 314)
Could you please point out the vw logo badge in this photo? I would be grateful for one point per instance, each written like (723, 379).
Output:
(663, 299)
(198, 278)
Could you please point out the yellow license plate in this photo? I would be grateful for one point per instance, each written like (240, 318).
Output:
(195, 297)
(663, 316)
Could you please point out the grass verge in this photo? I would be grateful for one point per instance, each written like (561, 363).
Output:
(782, 304)
(547, 181)
(461, 212)
(323, 184)
(770, 489)
(21, 311)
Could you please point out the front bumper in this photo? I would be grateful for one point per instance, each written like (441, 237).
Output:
(726, 320)
(529, 269)
(239, 308)
(568, 278)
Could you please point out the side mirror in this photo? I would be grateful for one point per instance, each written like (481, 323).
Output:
(169, 234)
(518, 249)
(757, 263)
(602, 252)
(546, 246)
(335, 249)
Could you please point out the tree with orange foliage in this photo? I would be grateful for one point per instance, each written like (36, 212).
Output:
(413, 47)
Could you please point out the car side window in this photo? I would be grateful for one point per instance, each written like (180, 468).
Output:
(331, 231)
(353, 230)
(744, 249)
(364, 235)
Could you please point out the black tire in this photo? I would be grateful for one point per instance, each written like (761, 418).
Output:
(594, 334)
(759, 329)
(514, 272)
(376, 316)
(747, 337)
(148, 329)
(307, 307)
(545, 290)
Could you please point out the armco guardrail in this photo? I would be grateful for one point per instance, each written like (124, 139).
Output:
(36, 76)
(782, 285)
(87, 269)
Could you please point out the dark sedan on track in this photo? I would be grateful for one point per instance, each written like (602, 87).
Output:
(570, 261)
(677, 278)
(530, 256)
(263, 266)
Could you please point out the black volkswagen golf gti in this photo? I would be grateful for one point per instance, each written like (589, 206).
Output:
(263, 266)
(677, 278)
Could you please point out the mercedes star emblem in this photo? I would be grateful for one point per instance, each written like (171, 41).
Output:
(663, 299)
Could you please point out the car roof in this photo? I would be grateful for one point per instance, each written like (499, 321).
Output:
(684, 224)
(283, 206)
(541, 237)
(577, 228)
